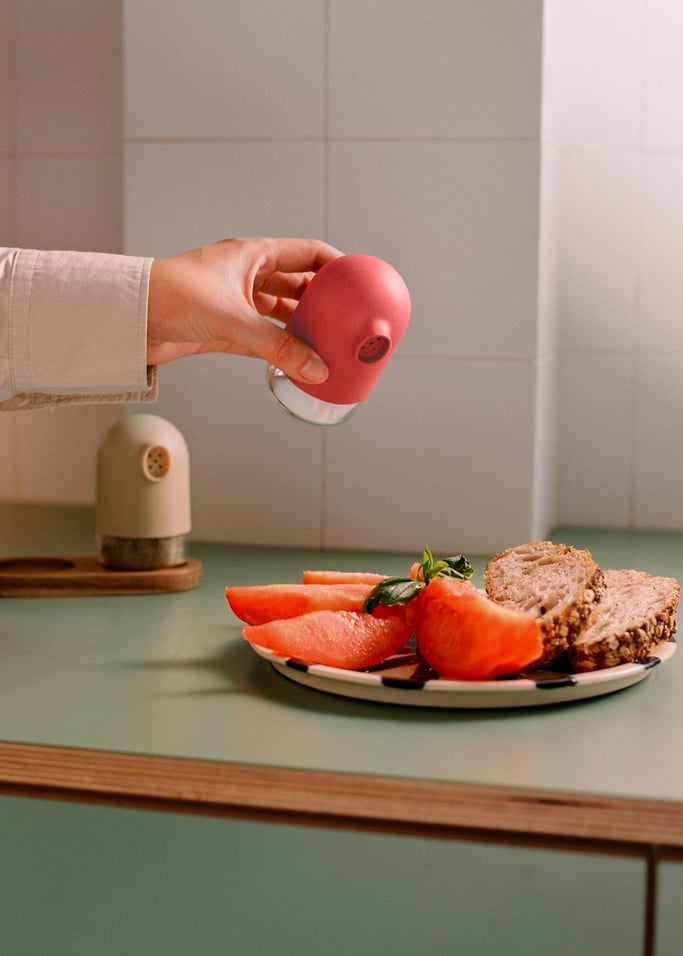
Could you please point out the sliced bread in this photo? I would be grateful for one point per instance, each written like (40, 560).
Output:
(636, 613)
(559, 585)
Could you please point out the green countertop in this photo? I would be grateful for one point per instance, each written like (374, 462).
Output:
(171, 675)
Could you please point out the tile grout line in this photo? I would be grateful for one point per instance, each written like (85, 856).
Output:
(13, 214)
(294, 138)
(637, 286)
(327, 13)
(12, 105)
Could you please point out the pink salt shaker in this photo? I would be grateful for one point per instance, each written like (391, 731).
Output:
(353, 314)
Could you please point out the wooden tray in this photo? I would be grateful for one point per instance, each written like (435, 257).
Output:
(46, 576)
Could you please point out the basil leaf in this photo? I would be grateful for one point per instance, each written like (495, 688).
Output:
(454, 567)
(427, 562)
(458, 567)
(392, 591)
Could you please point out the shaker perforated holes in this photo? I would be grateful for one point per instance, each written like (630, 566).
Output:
(156, 462)
(373, 348)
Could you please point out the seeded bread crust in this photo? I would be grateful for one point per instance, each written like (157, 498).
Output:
(637, 612)
(559, 585)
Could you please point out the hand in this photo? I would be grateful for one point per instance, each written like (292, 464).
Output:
(217, 299)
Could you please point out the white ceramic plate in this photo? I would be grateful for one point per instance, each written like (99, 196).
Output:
(399, 680)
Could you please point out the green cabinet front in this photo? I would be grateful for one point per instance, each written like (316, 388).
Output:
(120, 882)
(668, 932)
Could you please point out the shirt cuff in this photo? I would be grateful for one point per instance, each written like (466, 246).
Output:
(78, 328)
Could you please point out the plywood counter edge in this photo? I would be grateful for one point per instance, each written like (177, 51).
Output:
(431, 808)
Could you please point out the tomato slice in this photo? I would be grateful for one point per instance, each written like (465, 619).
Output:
(257, 604)
(465, 636)
(341, 577)
(350, 639)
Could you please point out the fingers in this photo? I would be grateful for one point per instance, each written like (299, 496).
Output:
(275, 307)
(286, 270)
(294, 256)
(290, 285)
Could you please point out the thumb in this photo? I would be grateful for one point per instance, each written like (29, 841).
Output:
(297, 359)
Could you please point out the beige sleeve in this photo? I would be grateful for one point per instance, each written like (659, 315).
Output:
(73, 328)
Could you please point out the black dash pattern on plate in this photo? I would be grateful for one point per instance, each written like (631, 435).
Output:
(403, 683)
(405, 658)
(296, 664)
(552, 683)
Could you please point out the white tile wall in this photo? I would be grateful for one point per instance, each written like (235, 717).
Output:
(214, 69)
(658, 458)
(595, 469)
(401, 149)
(663, 80)
(658, 465)
(434, 69)
(67, 62)
(613, 80)
(549, 253)
(546, 419)
(598, 247)
(182, 195)
(459, 219)
(414, 469)
(9, 460)
(5, 195)
(410, 132)
(257, 473)
(56, 450)
(68, 201)
(593, 73)
(5, 77)
(661, 291)
(60, 187)
(67, 135)
(8, 439)
(395, 472)
(544, 493)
